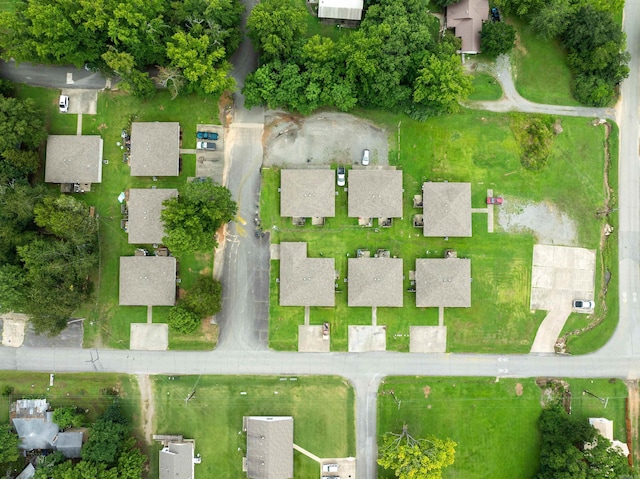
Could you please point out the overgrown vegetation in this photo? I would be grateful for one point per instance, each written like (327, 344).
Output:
(396, 60)
(497, 38)
(534, 135)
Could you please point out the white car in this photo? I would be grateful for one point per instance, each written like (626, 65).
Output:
(365, 158)
(582, 304)
(341, 176)
(63, 103)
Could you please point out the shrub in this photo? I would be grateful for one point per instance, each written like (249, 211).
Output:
(183, 321)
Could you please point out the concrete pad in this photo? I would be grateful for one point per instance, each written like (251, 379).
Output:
(367, 338)
(274, 251)
(82, 101)
(428, 339)
(149, 337)
(13, 328)
(543, 255)
(310, 340)
(346, 467)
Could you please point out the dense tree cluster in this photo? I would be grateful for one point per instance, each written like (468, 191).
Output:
(203, 299)
(395, 60)
(497, 38)
(563, 453)
(594, 41)
(8, 446)
(190, 39)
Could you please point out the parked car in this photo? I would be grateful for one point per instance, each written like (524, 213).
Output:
(494, 200)
(365, 158)
(495, 15)
(206, 145)
(206, 135)
(342, 177)
(329, 468)
(583, 304)
(63, 103)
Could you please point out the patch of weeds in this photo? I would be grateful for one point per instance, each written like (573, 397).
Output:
(535, 135)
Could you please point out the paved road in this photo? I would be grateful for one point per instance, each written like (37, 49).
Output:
(52, 76)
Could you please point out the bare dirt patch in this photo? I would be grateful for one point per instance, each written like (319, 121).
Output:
(321, 139)
(426, 390)
(519, 389)
(545, 220)
(147, 405)
(634, 415)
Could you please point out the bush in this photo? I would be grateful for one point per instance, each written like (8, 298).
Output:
(535, 137)
(497, 38)
(205, 297)
(183, 321)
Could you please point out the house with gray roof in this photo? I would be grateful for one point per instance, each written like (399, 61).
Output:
(375, 193)
(145, 205)
(147, 280)
(155, 148)
(177, 460)
(269, 447)
(305, 281)
(446, 209)
(466, 18)
(73, 159)
(307, 193)
(375, 282)
(341, 9)
(443, 282)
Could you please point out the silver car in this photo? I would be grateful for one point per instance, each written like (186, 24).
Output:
(365, 158)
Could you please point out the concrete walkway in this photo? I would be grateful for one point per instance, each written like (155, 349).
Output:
(549, 331)
(307, 453)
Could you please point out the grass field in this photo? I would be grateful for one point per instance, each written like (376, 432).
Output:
(541, 73)
(495, 429)
(477, 147)
(485, 88)
(322, 408)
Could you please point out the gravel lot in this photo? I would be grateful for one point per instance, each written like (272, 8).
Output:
(549, 224)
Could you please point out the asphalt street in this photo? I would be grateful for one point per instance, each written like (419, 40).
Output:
(53, 76)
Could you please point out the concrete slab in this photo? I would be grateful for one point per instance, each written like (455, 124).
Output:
(82, 101)
(149, 337)
(274, 251)
(428, 339)
(310, 340)
(346, 467)
(367, 338)
(13, 329)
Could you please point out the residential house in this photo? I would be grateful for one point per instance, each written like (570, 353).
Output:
(340, 9)
(308, 194)
(176, 459)
(155, 149)
(466, 18)
(145, 205)
(375, 282)
(147, 280)
(443, 282)
(305, 281)
(269, 447)
(74, 159)
(375, 194)
(446, 209)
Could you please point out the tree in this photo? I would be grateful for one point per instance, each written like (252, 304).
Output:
(21, 124)
(441, 84)
(8, 445)
(411, 458)
(12, 288)
(66, 417)
(192, 219)
(497, 38)
(24, 162)
(204, 298)
(183, 320)
(69, 219)
(108, 437)
(553, 20)
(276, 26)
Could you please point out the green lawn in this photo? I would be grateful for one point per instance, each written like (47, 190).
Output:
(322, 408)
(478, 147)
(7, 5)
(485, 88)
(540, 68)
(495, 429)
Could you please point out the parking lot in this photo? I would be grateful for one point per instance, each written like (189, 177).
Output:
(210, 163)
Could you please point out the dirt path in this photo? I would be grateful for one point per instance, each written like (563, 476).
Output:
(147, 406)
(634, 414)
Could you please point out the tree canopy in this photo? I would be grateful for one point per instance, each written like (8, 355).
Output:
(411, 458)
(205, 297)
(192, 218)
(8, 445)
(183, 320)
(497, 38)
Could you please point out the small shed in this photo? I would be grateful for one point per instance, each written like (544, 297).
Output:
(341, 9)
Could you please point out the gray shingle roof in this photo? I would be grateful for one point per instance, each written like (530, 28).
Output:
(305, 281)
(443, 282)
(69, 444)
(73, 159)
(466, 18)
(375, 193)
(155, 148)
(269, 447)
(446, 209)
(147, 280)
(145, 205)
(375, 282)
(35, 433)
(307, 193)
(176, 460)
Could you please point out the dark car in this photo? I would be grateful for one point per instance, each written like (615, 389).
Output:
(205, 145)
(495, 15)
(206, 135)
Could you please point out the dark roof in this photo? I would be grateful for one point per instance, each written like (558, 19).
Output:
(147, 280)
(446, 209)
(73, 159)
(443, 282)
(155, 148)
(307, 193)
(176, 460)
(375, 282)
(375, 193)
(145, 205)
(305, 281)
(466, 18)
(269, 447)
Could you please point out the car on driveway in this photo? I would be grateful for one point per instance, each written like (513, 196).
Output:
(494, 200)
(206, 135)
(63, 103)
(342, 179)
(365, 158)
(206, 145)
(583, 304)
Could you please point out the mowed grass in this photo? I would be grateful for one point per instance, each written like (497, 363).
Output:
(475, 147)
(495, 429)
(541, 73)
(485, 88)
(322, 408)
